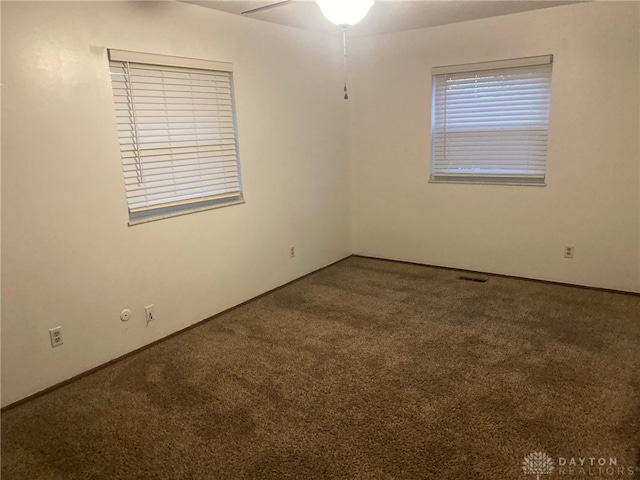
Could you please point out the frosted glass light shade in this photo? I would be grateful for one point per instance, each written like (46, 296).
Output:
(344, 12)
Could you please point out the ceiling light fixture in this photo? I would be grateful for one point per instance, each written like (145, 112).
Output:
(344, 13)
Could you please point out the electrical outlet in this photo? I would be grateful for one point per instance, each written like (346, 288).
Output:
(150, 313)
(56, 336)
(292, 251)
(568, 251)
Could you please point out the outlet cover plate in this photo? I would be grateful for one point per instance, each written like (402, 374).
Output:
(55, 334)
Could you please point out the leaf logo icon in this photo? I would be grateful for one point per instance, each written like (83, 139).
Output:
(538, 463)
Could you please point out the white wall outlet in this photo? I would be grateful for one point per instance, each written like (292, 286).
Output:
(56, 336)
(292, 251)
(150, 313)
(125, 315)
(568, 251)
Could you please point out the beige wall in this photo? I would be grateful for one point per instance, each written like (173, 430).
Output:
(593, 169)
(68, 256)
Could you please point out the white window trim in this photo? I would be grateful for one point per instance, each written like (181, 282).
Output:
(213, 160)
(478, 67)
(483, 178)
(168, 60)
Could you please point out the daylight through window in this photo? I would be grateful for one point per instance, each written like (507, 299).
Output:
(490, 121)
(176, 126)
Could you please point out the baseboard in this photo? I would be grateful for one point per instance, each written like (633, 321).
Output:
(178, 332)
(155, 342)
(457, 269)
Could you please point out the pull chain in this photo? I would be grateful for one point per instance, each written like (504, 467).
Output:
(344, 46)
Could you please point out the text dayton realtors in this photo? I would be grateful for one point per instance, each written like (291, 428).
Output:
(592, 466)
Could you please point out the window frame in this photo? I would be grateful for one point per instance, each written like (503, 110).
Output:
(493, 178)
(180, 205)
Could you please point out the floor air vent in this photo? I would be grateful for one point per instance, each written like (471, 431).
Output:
(472, 279)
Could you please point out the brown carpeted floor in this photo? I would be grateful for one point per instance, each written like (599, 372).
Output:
(365, 370)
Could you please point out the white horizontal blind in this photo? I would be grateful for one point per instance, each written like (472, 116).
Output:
(177, 134)
(491, 125)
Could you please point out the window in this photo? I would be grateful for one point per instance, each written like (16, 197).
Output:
(490, 121)
(176, 126)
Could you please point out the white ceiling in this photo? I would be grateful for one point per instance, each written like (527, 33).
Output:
(385, 16)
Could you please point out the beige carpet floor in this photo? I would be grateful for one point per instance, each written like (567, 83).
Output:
(365, 370)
